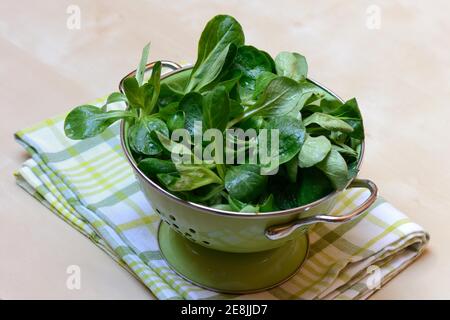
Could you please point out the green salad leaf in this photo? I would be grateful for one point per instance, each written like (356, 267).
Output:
(245, 183)
(154, 166)
(291, 136)
(249, 63)
(88, 121)
(335, 168)
(154, 82)
(279, 98)
(142, 138)
(135, 94)
(314, 185)
(261, 83)
(188, 177)
(141, 67)
(116, 97)
(313, 151)
(192, 106)
(328, 122)
(219, 40)
(176, 120)
(291, 65)
(216, 109)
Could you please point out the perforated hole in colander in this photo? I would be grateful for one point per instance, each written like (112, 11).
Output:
(172, 217)
(191, 230)
(175, 226)
(206, 242)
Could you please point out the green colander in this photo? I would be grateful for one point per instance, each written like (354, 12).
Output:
(235, 252)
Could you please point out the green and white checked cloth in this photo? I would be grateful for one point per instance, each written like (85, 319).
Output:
(90, 185)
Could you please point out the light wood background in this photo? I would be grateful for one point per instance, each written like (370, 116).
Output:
(399, 71)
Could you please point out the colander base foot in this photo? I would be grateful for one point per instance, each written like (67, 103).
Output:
(233, 273)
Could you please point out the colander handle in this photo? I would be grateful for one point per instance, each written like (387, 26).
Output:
(283, 230)
(164, 63)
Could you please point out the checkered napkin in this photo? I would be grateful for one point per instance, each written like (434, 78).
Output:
(90, 185)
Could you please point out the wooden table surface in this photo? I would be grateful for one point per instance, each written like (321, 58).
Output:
(392, 55)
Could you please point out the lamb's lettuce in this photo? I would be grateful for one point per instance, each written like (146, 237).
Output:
(234, 85)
